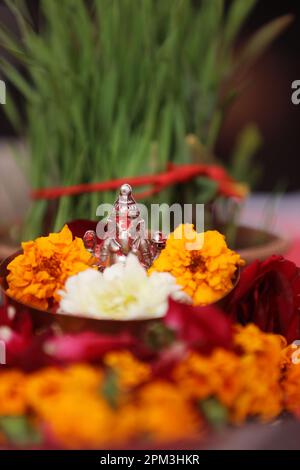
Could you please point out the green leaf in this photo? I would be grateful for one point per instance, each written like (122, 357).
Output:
(110, 388)
(263, 38)
(248, 143)
(18, 430)
(237, 14)
(159, 336)
(17, 79)
(214, 128)
(206, 189)
(12, 112)
(215, 413)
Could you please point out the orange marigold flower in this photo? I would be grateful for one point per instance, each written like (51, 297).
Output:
(260, 394)
(251, 340)
(165, 413)
(12, 398)
(62, 397)
(128, 425)
(200, 377)
(131, 372)
(36, 276)
(247, 381)
(42, 385)
(80, 419)
(45, 386)
(291, 389)
(259, 374)
(290, 355)
(201, 263)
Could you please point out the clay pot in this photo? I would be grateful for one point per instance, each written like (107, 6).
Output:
(255, 244)
(7, 247)
(43, 319)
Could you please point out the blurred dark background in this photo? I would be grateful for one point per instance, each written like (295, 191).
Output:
(266, 100)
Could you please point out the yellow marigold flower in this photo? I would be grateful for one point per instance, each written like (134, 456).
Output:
(40, 272)
(131, 372)
(165, 413)
(12, 398)
(201, 263)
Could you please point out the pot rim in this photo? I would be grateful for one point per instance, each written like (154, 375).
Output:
(54, 314)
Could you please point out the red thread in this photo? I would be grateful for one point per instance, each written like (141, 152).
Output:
(174, 175)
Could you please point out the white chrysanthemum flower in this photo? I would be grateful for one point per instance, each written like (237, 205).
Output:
(123, 291)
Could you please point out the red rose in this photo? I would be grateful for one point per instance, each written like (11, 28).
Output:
(23, 348)
(201, 328)
(15, 332)
(80, 226)
(268, 294)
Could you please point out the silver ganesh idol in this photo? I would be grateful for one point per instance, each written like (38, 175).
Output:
(124, 232)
